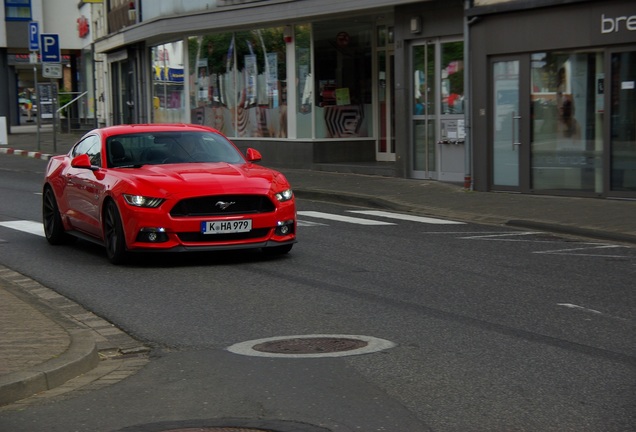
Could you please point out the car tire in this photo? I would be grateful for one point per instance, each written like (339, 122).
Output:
(52, 221)
(114, 238)
(278, 250)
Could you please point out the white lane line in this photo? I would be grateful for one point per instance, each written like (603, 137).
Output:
(339, 218)
(308, 223)
(30, 227)
(590, 311)
(591, 247)
(406, 217)
(498, 236)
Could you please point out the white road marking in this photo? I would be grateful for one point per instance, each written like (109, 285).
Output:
(348, 219)
(591, 311)
(30, 227)
(592, 246)
(308, 223)
(412, 218)
(498, 236)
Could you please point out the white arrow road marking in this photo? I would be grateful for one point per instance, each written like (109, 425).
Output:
(348, 219)
(406, 217)
(30, 227)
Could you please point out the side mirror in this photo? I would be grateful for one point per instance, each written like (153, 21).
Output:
(82, 161)
(253, 155)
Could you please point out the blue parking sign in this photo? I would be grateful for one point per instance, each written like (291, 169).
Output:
(50, 48)
(34, 36)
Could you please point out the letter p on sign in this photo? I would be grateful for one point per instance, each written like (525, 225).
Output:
(50, 46)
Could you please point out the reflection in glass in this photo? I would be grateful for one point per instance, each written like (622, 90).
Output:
(506, 123)
(623, 129)
(567, 117)
(452, 87)
(343, 80)
(305, 89)
(168, 94)
(238, 82)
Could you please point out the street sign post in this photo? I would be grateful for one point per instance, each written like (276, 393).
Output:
(50, 48)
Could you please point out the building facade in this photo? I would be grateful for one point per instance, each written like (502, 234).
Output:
(22, 72)
(307, 83)
(556, 109)
(530, 96)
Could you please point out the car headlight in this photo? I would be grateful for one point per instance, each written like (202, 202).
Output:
(142, 201)
(285, 195)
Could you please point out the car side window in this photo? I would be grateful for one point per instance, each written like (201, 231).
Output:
(91, 146)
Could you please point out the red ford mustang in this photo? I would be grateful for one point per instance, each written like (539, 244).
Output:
(166, 187)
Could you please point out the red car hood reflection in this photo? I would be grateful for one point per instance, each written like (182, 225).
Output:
(194, 178)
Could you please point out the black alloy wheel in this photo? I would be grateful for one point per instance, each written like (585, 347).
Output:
(114, 238)
(53, 226)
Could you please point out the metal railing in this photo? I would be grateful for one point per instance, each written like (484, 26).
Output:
(62, 108)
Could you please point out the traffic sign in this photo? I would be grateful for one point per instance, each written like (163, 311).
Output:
(51, 70)
(34, 36)
(50, 47)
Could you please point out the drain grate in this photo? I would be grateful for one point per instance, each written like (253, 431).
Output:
(313, 345)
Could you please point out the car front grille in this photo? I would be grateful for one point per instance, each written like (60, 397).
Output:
(196, 237)
(214, 205)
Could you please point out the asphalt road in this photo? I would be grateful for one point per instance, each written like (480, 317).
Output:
(495, 329)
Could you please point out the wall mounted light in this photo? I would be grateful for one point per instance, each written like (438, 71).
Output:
(416, 25)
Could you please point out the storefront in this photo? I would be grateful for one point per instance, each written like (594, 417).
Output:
(309, 91)
(557, 111)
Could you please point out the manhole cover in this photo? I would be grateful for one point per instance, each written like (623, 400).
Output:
(311, 346)
(218, 429)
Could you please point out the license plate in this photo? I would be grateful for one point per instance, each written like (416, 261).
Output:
(226, 227)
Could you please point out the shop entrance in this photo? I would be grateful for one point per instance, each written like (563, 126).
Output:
(508, 137)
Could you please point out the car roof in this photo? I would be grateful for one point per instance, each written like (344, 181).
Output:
(151, 127)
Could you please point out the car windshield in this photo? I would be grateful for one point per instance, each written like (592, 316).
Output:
(134, 150)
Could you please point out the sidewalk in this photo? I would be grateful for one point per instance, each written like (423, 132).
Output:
(51, 346)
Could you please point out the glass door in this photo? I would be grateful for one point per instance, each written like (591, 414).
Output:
(510, 116)
(505, 123)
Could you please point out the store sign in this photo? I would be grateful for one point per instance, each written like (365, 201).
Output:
(82, 26)
(617, 24)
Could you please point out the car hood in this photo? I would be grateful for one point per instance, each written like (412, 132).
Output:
(207, 178)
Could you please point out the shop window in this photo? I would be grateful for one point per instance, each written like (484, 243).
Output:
(305, 89)
(168, 94)
(238, 82)
(342, 81)
(17, 10)
(567, 101)
(623, 122)
(452, 76)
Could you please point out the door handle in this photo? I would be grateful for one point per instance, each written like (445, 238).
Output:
(515, 124)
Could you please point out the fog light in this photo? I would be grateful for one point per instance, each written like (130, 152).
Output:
(284, 228)
(152, 235)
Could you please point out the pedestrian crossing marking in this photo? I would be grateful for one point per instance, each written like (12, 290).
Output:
(406, 217)
(340, 218)
(26, 226)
